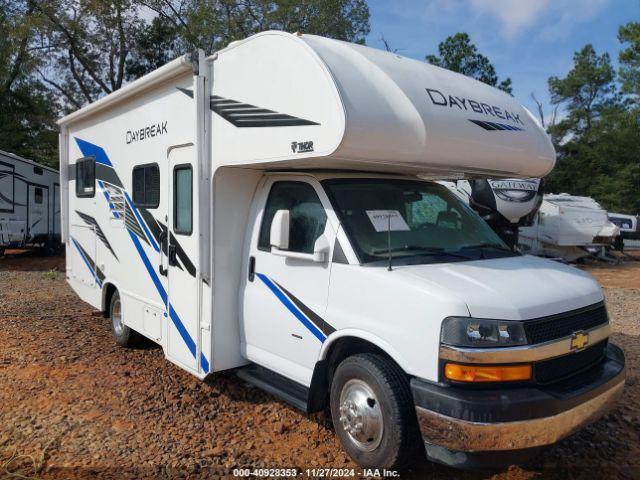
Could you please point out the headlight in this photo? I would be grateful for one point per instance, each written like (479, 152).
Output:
(480, 332)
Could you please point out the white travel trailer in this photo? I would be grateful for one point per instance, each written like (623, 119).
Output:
(29, 204)
(569, 227)
(260, 210)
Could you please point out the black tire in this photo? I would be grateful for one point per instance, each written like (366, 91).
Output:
(123, 335)
(49, 248)
(399, 445)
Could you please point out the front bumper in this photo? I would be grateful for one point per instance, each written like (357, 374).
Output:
(500, 420)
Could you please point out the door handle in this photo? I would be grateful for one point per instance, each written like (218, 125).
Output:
(161, 240)
(252, 268)
(171, 255)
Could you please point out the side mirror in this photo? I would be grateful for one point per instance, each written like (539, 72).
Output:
(279, 234)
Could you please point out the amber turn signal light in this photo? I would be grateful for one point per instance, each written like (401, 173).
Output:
(487, 373)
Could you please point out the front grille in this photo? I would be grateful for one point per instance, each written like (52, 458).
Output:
(564, 324)
(559, 368)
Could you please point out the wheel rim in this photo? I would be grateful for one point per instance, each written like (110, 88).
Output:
(116, 317)
(361, 415)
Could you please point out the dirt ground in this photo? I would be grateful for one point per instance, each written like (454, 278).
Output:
(75, 405)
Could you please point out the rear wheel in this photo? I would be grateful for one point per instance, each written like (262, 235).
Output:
(373, 413)
(124, 335)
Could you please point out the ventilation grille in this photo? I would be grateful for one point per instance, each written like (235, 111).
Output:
(559, 326)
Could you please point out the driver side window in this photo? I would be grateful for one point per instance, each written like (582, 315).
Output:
(306, 213)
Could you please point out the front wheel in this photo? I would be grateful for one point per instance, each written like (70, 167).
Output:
(373, 413)
(124, 335)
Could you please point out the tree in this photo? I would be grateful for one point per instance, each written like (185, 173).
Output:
(630, 59)
(27, 109)
(458, 54)
(598, 141)
(212, 24)
(586, 89)
(96, 46)
(88, 43)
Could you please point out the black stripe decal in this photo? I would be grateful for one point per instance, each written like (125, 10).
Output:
(316, 319)
(99, 273)
(245, 115)
(89, 220)
(106, 174)
(156, 227)
(8, 200)
(495, 126)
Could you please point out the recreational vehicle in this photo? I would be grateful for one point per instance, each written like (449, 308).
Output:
(264, 209)
(569, 227)
(629, 226)
(505, 204)
(29, 204)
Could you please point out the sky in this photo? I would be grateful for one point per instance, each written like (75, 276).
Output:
(526, 40)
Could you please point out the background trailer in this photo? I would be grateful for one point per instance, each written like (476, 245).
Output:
(29, 204)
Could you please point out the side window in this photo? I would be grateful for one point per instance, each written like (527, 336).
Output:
(86, 177)
(38, 170)
(38, 195)
(183, 200)
(146, 185)
(306, 215)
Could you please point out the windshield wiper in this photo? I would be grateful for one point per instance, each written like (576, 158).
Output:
(487, 245)
(422, 251)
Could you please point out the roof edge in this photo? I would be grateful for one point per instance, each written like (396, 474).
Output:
(174, 68)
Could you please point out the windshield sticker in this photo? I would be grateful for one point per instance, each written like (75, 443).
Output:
(383, 220)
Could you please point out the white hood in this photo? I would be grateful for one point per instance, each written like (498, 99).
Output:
(514, 288)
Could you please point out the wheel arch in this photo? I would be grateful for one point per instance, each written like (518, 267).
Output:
(108, 289)
(335, 349)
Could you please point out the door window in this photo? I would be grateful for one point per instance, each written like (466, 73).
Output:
(183, 200)
(306, 215)
(38, 195)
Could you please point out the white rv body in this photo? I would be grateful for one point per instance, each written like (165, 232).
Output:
(282, 111)
(29, 203)
(567, 226)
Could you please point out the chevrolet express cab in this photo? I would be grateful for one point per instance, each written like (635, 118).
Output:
(273, 209)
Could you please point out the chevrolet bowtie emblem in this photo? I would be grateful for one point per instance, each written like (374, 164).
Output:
(579, 340)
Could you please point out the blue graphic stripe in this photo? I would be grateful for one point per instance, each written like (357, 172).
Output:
(150, 269)
(90, 150)
(182, 330)
(142, 223)
(292, 308)
(86, 261)
(108, 197)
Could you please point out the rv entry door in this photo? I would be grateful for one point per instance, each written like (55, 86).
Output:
(38, 212)
(183, 345)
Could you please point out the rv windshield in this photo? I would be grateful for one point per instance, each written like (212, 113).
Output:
(427, 223)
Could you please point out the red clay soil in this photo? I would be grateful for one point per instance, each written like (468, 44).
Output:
(78, 406)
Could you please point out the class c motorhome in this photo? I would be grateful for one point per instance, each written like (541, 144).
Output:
(261, 210)
(29, 204)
